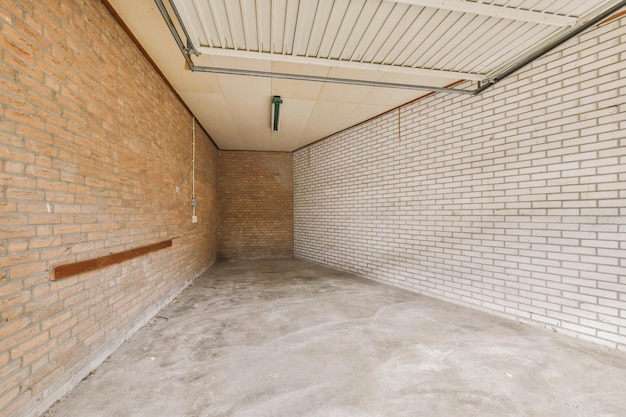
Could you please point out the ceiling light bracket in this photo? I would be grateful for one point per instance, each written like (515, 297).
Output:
(275, 118)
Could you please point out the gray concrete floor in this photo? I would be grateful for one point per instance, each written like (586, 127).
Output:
(289, 338)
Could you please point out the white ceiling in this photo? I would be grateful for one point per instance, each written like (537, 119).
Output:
(419, 42)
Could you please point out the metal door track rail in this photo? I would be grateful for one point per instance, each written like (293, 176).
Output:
(186, 48)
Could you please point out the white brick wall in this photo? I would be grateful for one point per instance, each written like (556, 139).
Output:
(512, 202)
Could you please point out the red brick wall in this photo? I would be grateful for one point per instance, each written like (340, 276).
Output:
(255, 204)
(95, 158)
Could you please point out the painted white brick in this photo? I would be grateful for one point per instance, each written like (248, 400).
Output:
(512, 201)
(579, 329)
(618, 339)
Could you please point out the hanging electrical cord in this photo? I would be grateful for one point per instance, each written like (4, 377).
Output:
(194, 218)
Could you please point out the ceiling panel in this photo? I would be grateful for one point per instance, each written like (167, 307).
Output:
(405, 33)
(418, 43)
(327, 118)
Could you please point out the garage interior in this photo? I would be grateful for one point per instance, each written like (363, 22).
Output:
(321, 208)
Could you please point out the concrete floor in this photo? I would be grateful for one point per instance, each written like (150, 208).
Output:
(289, 338)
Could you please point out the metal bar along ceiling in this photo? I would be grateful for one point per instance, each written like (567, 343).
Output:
(481, 41)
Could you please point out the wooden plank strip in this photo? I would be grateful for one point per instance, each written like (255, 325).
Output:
(63, 271)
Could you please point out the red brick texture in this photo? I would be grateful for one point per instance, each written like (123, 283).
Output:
(255, 204)
(95, 159)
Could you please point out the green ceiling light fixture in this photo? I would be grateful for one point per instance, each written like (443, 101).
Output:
(276, 102)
